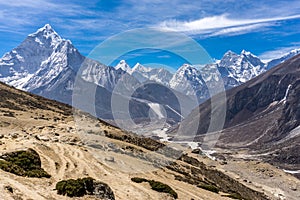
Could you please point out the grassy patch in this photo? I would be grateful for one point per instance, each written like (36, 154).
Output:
(23, 163)
(157, 186)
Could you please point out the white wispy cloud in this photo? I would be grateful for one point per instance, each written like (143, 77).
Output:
(38, 6)
(269, 55)
(239, 30)
(220, 24)
(21, 13)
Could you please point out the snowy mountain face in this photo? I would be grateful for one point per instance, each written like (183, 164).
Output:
(100, 74)
(124, 66)
(39, 60)
(234, 70)
(158, 75)
(187, 80)
(28, 56)
(280, 60)
(45, 61)
(237, 69)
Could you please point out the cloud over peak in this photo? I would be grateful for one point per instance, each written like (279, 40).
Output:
(220, 25)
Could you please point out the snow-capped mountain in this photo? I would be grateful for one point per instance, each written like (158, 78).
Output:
(102, 75)
(47, 65)
(283, 58)
(237, 69)
(124, 66)
(234, 70)
(140, 72)
(28, 56)
(188, 80)
(41, 62)
(45, 61)
(158, 75)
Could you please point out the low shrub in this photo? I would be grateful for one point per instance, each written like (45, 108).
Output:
(157, 186)
(139, 180)
(75, 188)
(23, 163)
(71, 188)
(161, 187)
(209, 188)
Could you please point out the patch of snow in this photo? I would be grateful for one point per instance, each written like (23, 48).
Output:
(124, 66)
(292, 171)
(141, 68)
(208, 153)
(38, 41)
(286, 94)
(162, 134)
(294, 133)
(157, 110)
(18, 80)
(193, 145)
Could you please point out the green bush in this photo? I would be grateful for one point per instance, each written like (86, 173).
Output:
(209, 188)
(23, 163)
(161, 187)
(157, 186)
(75, 188)
(139, 180)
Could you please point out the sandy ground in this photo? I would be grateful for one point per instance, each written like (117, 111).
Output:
(64, 156)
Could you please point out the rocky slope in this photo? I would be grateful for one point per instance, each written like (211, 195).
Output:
(262, 116)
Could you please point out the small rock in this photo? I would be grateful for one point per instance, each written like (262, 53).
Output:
(43, 138)
(103, 191)
(14, 135)
(294, 188)
(197, 151)
(223, 162)
(55, 140)
(110, 159)
(9, 188)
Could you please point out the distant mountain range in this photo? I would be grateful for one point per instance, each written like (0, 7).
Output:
(262, 116)
(48, 65)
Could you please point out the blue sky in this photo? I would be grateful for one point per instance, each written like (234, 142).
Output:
(267, 28)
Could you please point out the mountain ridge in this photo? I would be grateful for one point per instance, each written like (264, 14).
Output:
(48, 65)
